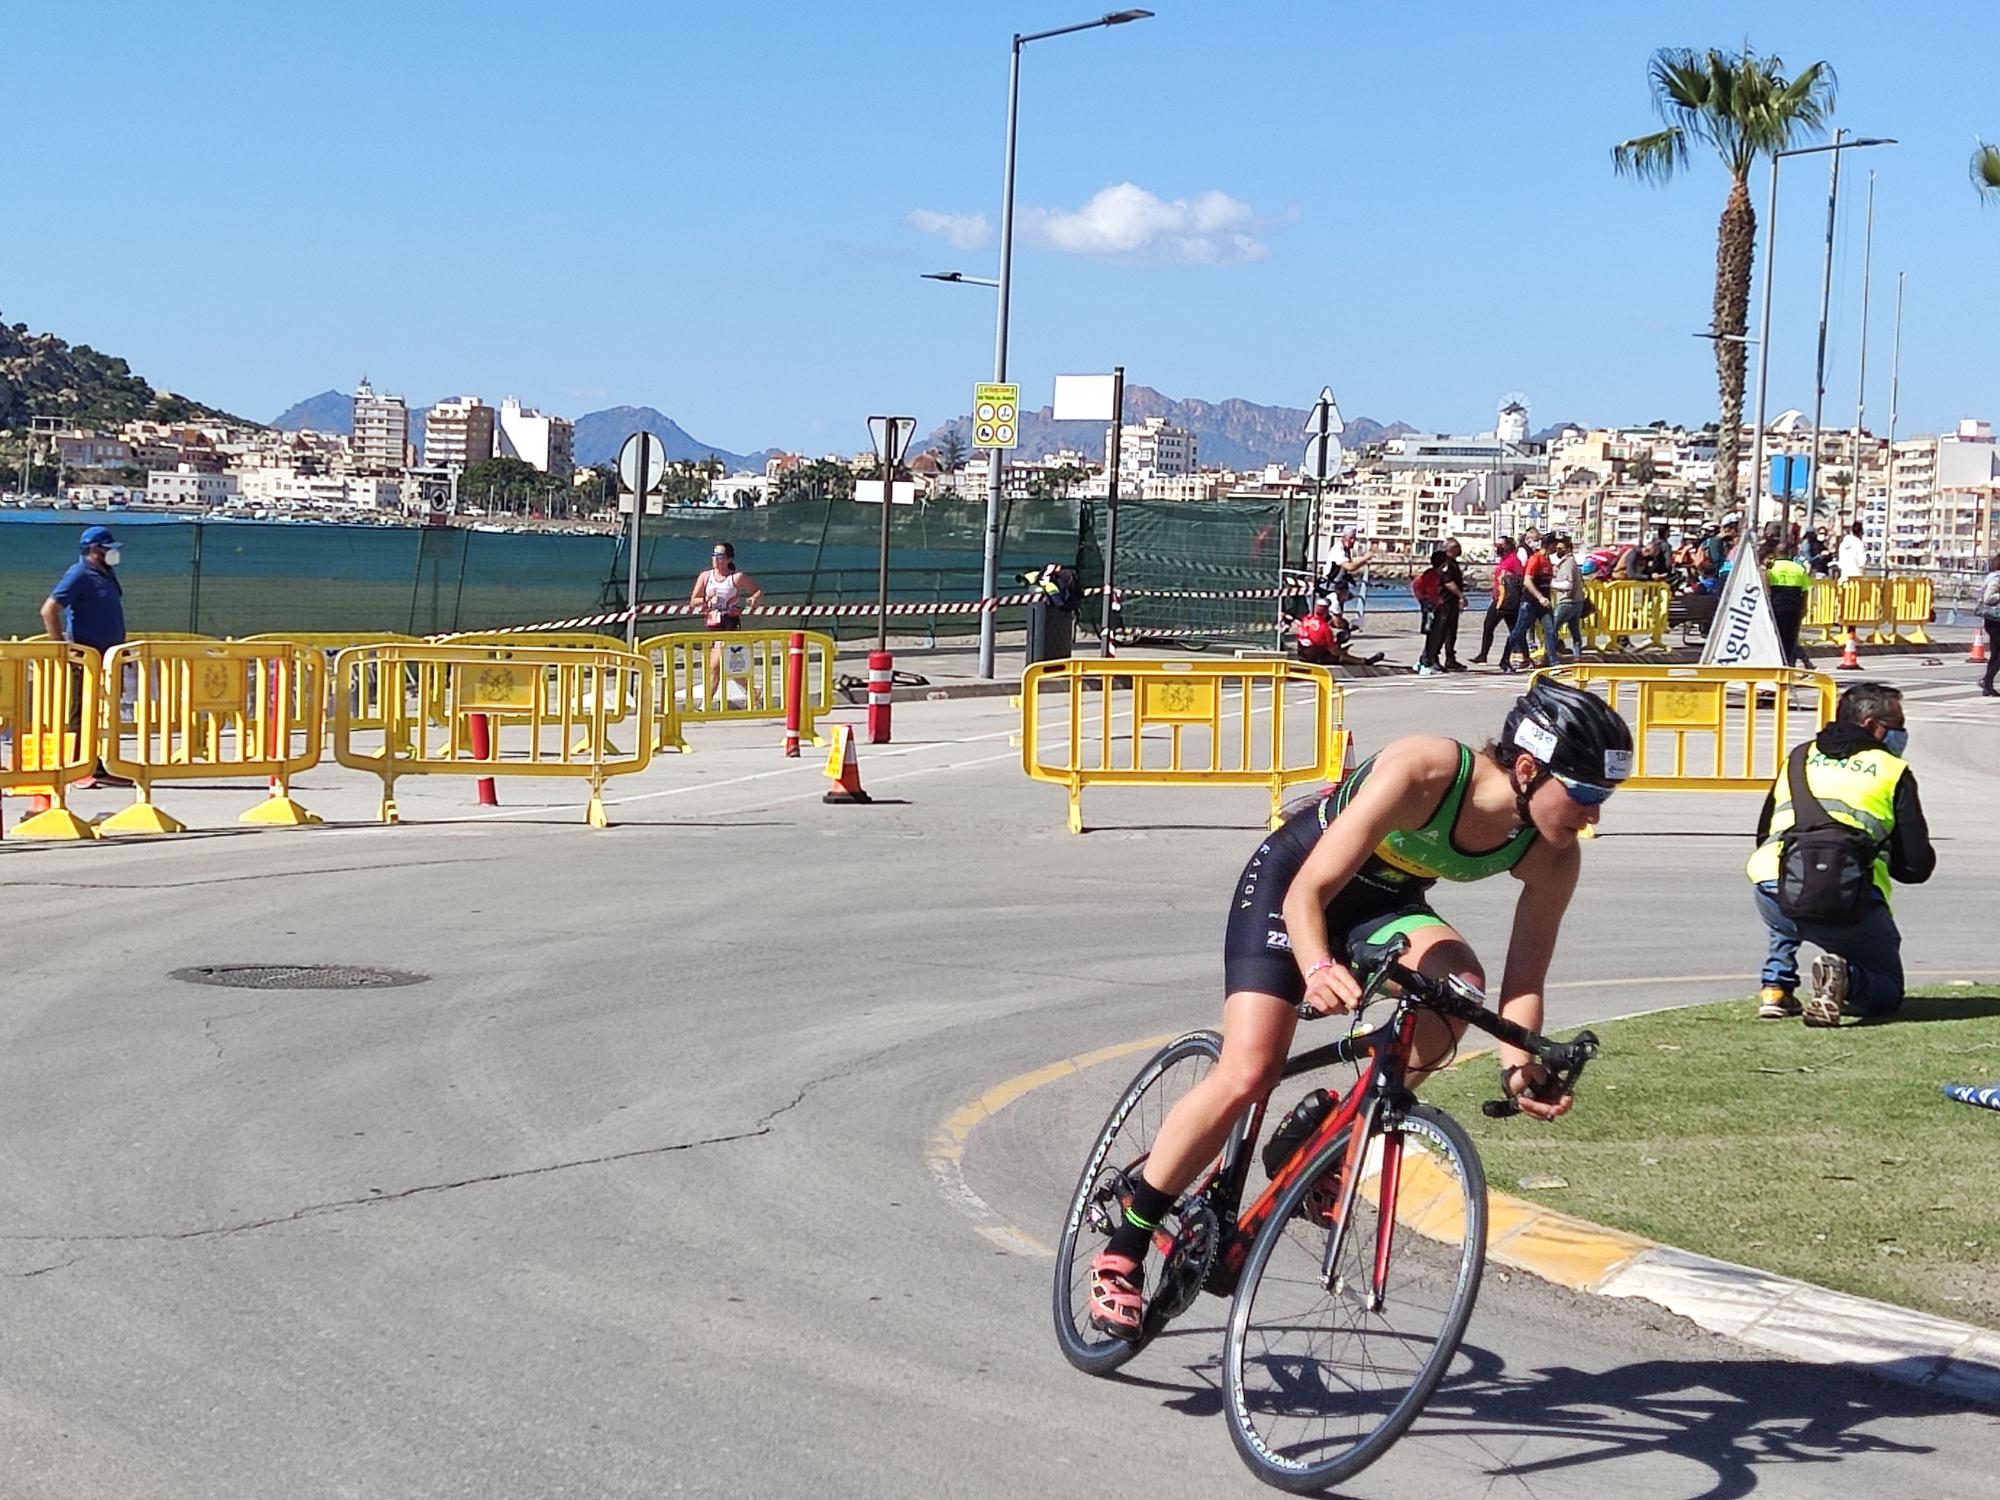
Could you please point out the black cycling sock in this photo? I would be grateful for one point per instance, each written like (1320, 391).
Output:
(1142, 1216)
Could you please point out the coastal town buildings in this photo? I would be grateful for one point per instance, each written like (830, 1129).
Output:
(458, 432)
(381, 440)
(544, 441)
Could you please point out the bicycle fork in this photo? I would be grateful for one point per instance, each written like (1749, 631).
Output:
(1388, 1180)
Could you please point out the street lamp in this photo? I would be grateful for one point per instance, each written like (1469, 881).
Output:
(989, 574)
(1757, 494)
(959, 278)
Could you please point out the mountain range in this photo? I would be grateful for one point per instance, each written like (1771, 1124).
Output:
(1232, 434)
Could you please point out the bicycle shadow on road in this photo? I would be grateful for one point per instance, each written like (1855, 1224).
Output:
(1732, 1417)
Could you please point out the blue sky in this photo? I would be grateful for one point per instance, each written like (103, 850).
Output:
(721, 209)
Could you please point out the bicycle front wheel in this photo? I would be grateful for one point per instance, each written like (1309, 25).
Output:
(1115, 1159)
(1336, 1340)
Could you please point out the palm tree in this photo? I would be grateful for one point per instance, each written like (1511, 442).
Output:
(1985, 169)
(950, 451)
(1747, 109)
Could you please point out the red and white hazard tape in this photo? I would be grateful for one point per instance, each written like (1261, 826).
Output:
(855, 611)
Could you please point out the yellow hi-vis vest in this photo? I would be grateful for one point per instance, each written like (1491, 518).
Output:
(1858, 790)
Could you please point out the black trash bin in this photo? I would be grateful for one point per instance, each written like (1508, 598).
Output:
(1051, 632)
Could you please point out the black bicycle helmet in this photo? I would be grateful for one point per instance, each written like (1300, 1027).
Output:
(1570, 731)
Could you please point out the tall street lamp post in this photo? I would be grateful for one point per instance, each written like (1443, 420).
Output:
(1757, 477)
(989, 574)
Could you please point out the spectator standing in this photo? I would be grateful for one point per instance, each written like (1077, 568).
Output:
(1855, 769)
(722, 593)
(1989, 614)
(87, 607)
(1566, 589)
(1443, 585)
(1536, 609)
(1788, 581)
(1853, 559)
(1506, 605)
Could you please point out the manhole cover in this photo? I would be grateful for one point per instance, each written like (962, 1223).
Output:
(297, 977)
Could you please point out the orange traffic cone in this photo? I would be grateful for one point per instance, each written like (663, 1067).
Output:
(1850, 659)
(1978, 651)
(843, 770)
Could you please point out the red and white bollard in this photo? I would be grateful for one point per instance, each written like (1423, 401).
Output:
(795, 691)
(881, 673)
(482, 749)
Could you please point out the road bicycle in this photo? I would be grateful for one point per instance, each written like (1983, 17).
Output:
(1352, 1274)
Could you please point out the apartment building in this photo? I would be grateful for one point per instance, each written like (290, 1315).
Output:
(187, 485)
(533, 437)
(458, 433)
(1154, 448)
(381, 441)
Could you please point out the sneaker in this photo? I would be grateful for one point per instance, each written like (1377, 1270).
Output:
(1455, 666)
(1829, 996)
(106, 778)
(1775, 1003)
(1425, 669)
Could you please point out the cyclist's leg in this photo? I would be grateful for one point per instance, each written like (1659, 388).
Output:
(1256, 1037)
(1437, 949)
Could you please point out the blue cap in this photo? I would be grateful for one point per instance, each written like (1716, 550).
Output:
(96, 536)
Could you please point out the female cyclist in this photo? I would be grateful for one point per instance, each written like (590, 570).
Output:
(1355, 868)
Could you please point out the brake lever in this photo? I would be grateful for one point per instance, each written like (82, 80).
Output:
(1565, 1062)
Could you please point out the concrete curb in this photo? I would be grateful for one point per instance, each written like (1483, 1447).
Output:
(1788, 1317)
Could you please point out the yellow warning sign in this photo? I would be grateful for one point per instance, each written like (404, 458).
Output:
(495, 685)
(838, 750)
(996, 416)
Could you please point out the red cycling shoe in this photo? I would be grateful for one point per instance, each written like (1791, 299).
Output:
(1117, 1294)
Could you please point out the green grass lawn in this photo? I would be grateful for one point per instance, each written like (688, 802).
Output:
(1831, 1156)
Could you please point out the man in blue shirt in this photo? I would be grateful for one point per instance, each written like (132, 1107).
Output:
(88, 607)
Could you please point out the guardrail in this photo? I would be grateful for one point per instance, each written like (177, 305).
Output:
(1722, 729)
(582, 640)
(698, 675)
(529, 695)
(1911, 606)
(206, 708)
(48, 730)
(1191, 724)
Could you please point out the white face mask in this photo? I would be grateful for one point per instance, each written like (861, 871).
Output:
(111, 556)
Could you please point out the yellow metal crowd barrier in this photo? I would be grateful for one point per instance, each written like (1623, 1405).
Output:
(546, 711)
(1716, 729)
(1180, 723)
(203, 708)
(1630, 613)
(1911, 608)
(747, 683)
(1822, 610)
(48, 730)
(330, 643)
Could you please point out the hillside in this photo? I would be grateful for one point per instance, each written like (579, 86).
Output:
(599, 434)
(41, 376)
(1232, 434)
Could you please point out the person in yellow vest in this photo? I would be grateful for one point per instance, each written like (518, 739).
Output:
(1789, 580)
(1855, 768)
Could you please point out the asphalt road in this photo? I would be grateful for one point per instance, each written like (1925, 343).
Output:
(632, 1196)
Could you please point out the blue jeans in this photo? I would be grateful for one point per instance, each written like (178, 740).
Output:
(1872, 947)
(1532, 614)
(1569, 616)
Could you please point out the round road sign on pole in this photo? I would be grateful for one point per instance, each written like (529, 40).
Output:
(628, 463)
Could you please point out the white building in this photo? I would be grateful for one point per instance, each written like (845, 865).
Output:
(186, 486)
(546, 442)
(381, 431)
(1153, 449)
(458, 432)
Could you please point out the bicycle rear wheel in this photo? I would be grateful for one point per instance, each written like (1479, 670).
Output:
(1321, 1374)
(1115, 1159)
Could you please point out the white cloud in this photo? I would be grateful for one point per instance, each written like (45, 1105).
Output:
(1125, 220)
(965, 231)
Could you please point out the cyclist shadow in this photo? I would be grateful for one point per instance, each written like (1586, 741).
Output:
(1733, 1417)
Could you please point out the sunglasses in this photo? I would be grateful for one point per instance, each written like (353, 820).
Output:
(1584, 793)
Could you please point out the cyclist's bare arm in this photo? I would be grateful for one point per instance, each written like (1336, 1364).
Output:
(1548, 880)
(1403, 789)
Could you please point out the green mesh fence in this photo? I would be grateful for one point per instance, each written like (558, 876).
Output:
(1184, 549)
(242, 578)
